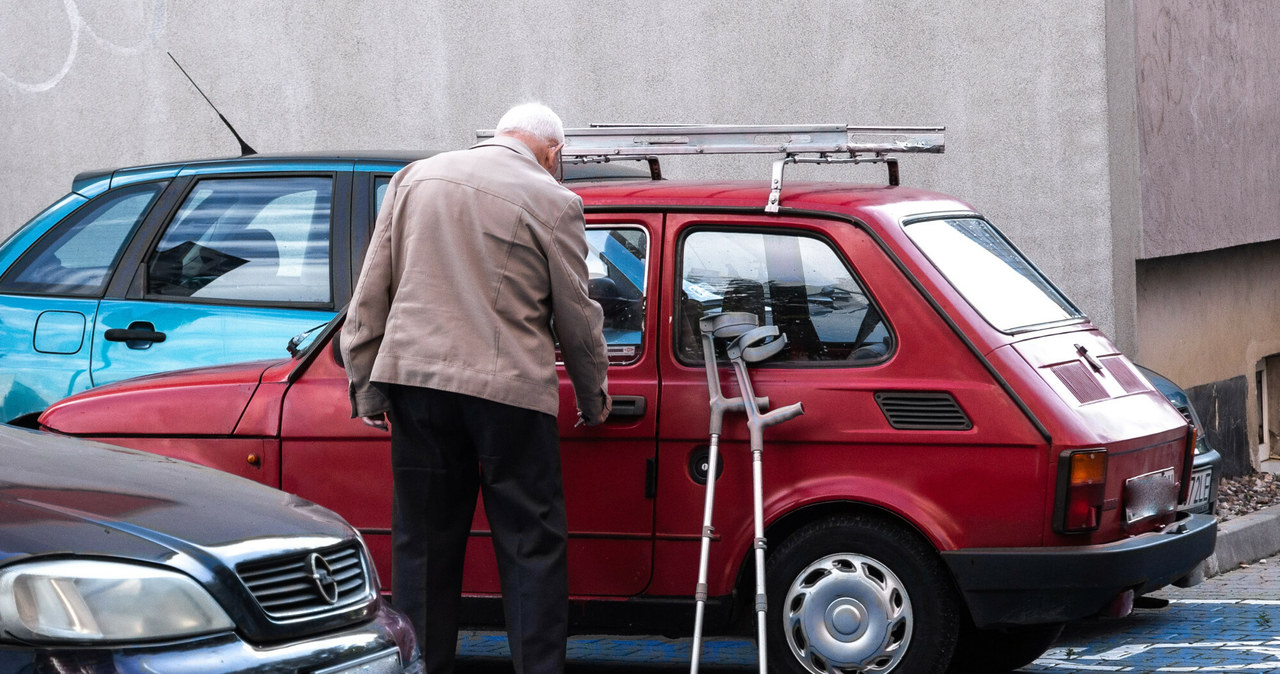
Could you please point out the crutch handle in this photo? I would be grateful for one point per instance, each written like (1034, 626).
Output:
(727, 325)
(781, 414)
(749, 346)
(736, 405)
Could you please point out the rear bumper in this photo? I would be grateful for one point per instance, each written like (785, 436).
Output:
(1026, 586)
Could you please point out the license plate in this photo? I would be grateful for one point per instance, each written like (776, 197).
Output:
(1201, 486)
(385, 662)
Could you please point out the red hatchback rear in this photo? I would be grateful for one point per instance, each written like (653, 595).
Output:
(976, 465)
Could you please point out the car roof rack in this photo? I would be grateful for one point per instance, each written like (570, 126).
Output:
(798, 144)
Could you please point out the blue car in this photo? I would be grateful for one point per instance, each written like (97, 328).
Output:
(154, 268)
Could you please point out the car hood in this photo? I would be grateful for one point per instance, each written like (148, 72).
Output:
(63, 496)
(201, 401)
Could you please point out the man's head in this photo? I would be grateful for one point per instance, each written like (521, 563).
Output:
(535, 125)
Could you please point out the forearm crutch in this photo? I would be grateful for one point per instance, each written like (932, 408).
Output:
(724, 326)
(751, 347)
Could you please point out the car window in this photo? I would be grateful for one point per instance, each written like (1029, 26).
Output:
(379, 192)
(991, 274)
(248, 239)
(77, 256)
(798, 283)
(617, 266)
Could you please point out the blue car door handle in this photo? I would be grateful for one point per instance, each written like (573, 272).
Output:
(139, 335)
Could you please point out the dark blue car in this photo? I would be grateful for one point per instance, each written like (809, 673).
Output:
(114, 560)
(1207, 468)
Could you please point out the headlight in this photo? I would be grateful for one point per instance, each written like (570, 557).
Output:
(90, 600)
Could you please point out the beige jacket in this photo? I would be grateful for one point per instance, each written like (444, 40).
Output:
(472, 255)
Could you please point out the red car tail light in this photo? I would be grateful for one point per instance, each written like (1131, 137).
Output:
(1082, 483)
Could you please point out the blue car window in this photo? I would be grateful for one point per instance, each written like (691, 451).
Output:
(76, 257)
(379, 191)
(249, 240)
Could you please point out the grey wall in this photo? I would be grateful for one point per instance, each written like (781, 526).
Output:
(1207, 83)
(1022, 88)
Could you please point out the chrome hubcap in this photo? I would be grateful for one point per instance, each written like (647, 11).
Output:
(847, 613)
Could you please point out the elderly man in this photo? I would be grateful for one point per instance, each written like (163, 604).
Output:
(449, 334)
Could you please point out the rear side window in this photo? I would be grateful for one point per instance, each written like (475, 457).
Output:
(77, 256)
(798, 283)
(248, 239)
(1001, 284)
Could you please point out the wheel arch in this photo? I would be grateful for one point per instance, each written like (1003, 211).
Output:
(794, 519)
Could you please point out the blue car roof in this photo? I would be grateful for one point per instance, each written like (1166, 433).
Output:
(91, 183)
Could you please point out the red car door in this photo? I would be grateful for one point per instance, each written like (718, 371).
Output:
(860, 339)
(344, 465)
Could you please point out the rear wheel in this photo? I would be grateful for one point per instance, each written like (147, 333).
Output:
(857, 594)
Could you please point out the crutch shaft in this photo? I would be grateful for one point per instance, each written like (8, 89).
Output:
(700, 596)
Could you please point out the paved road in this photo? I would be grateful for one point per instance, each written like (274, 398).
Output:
(1230, 623)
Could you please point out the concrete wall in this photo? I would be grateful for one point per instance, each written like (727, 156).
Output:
(1022, 88)
(1208, 111)
(1208, 318)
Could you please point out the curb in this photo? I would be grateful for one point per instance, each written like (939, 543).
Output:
(1245, 539)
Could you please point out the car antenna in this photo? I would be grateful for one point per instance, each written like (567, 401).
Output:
(245, 150)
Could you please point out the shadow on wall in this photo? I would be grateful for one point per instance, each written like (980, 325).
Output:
(1221, 406)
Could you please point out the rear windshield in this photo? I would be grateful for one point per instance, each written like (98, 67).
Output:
(993, 276)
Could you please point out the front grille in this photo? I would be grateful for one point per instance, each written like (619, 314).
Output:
(922, 411)
(308, 583)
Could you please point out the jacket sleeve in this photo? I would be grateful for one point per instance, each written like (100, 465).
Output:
(367, 314)
(579, 322)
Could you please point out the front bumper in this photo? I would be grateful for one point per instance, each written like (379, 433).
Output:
(1027, 586)
(388, 639)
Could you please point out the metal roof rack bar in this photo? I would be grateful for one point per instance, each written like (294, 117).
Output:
(856, 144)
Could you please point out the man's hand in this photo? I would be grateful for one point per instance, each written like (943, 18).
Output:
(598, 419)
(378, 421)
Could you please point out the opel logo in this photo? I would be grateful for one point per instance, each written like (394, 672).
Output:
(322, 575)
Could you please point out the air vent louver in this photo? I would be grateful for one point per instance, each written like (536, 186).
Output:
(922, 411)
(1124, 374)
(1080, 381)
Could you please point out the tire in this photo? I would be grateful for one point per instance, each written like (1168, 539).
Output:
(994, 651)
(859, 594)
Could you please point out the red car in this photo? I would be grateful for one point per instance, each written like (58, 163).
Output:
(976, 464)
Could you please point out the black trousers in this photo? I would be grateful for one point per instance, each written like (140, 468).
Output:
(444, 448)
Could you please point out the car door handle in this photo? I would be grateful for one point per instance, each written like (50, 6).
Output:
(139, 335)
(628, 406)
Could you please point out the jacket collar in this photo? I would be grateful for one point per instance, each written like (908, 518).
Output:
(510, 143)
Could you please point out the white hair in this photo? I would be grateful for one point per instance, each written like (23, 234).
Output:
(533, 118)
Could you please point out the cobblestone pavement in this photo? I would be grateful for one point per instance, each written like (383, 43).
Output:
(1230, 623)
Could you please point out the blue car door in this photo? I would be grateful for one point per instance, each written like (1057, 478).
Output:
(242, 264)
(49, 293)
